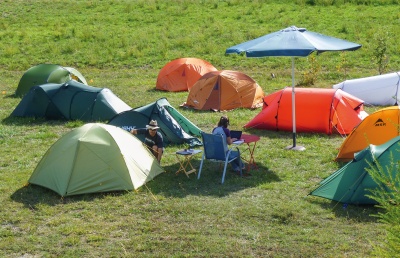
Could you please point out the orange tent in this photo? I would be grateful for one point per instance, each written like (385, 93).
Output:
(378, 128)
(180, 74)
(224, 90)
(317, 110)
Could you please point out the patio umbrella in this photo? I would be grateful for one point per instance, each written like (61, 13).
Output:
(292, 42)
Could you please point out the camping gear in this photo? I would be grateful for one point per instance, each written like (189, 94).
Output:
(378, 128)
(236, 134)
(292, 42)
(71, 101)
(215, 149)
(47, 73)
(174, 127)
(380, 90)
(181, 74)
(351, 183)
(251, 141)
(318, 111)
(224, 90)
(184, 158)
(95, 158)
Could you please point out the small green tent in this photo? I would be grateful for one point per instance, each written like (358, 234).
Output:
(351, 183)
(95, 158)
(174, 127)
(71, 101)
(47, 73)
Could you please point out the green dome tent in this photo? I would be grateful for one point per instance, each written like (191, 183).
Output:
(47, 73)
(174, 127)
(95, 158)
(352, 183)
(71, 101)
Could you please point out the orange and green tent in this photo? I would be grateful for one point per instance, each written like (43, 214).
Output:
(378, 128)
(353, 183)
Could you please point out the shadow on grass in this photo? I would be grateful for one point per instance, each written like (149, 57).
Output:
(20, 121)
(33, 121)
(288, 135)
(179, 185)
(166, 184)
(359, 213)
(33, 195)
(12, 96)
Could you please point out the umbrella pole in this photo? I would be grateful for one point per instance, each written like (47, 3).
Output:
(294, 147)
(293, 106)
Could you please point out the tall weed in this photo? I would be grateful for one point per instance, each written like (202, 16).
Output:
(388, 197)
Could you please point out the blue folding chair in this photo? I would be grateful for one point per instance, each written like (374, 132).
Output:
(215, 149)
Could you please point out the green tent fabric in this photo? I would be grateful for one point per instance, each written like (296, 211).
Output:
(47, 73)
(71, 101)
(351, 183)
(76, 75)
(95, 158)
(174, 127)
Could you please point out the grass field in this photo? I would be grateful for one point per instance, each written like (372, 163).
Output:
(122, 45)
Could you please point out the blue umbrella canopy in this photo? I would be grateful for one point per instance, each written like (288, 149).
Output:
(291, 41)
(294, 42)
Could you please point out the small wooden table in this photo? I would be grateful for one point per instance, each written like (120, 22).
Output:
(184, 158)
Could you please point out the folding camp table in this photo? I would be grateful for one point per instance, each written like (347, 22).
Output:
(251, 141)
(184, 158)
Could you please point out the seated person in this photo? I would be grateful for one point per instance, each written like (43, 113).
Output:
(153, 139)
(222, 128)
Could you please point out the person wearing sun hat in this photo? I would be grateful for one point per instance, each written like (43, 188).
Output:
(152, 138)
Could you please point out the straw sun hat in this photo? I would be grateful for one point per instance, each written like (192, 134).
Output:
(152, 125)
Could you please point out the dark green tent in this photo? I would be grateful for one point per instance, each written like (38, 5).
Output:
(351, 183)
(47, 73)
(174, 127)
(71, 101)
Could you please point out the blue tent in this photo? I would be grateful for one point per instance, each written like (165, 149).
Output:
(71, 101)
(174, 127)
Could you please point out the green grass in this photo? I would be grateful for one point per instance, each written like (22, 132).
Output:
(122, 45)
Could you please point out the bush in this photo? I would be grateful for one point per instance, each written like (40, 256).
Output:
(309, 77)
(388, 197)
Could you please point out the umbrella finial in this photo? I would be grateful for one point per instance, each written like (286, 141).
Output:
(294, 28)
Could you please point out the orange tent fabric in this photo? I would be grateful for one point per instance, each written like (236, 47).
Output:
(317, 111)
(180, 74)
(225, 90)
(378, 128)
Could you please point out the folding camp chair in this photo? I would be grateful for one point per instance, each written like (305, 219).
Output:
(215, 149)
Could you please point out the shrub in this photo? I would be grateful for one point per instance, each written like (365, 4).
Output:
(309, 77)
(388, 197)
